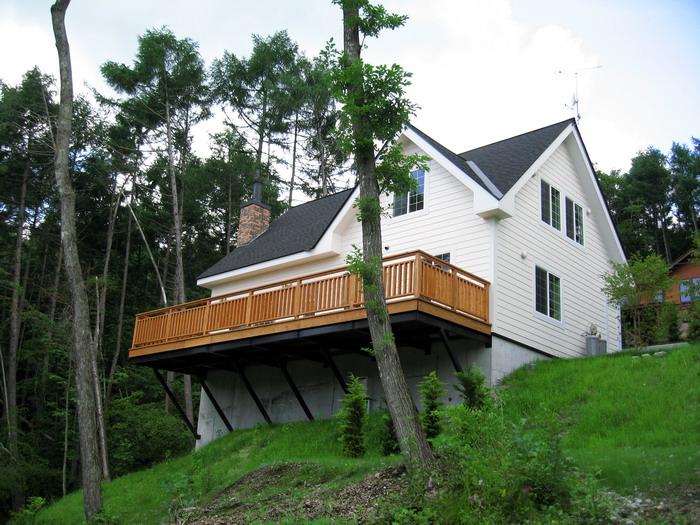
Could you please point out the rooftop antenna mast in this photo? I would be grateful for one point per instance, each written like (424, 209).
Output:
(574, 106)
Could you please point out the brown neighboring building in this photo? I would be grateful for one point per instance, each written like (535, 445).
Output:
(686, 279)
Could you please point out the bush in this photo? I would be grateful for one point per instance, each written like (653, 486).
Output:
(352, 418)
(27, 514)
(495, 472)
(472, 386)
(667, 324)
(694, 322)
(432, 391)
(387, 436)
(143, 434)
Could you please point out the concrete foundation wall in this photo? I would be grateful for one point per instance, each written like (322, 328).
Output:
(506, 356)
(321, 390)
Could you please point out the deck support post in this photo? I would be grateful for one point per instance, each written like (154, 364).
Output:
(448, 349)
(172, 397)
(336, 372)
(253, 395)
(214, 402)
(295, 390)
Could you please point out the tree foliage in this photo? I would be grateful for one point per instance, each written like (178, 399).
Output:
(352, 418)
(432, 392)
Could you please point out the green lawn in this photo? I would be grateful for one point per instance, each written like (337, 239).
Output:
(636, 419)
(148, 496)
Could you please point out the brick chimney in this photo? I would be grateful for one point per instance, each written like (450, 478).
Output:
(254, 218)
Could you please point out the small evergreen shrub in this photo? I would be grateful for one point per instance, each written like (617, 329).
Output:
(432, 391)
(471, 384)
(352, 418)
(694, 322)
(388, 440)
(667, 324)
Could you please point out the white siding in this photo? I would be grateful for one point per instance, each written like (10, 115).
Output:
(579, 267)
(446, 224)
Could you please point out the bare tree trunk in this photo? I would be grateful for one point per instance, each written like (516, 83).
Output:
(228, 217)
(294, 156)
(177, 233)
(99, 336)
(15, 325)
(120, 318)
(412, 441)
(52, 320)
(82, 338)
(667, 250)
(66, 419)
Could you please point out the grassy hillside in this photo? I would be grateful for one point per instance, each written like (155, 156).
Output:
(151, 495)
(637, 420)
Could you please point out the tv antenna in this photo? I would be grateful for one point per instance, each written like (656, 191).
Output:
(574, 106)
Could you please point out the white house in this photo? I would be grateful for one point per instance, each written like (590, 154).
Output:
(497, 258)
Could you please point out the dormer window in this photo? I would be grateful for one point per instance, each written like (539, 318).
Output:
(414, 200)
(550, 200)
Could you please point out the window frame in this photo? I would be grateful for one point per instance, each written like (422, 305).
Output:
(546, 317)
(691, 292)
(407, 198)
(544, 180)
(574, 204)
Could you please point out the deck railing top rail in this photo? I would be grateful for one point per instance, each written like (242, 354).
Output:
(412, 275)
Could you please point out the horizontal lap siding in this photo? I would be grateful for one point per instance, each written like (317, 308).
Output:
(447, 224)
(580, 268)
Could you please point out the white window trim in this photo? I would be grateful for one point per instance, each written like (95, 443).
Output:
(585, 222)
(540, 315)
(411, 214)
(562, 224)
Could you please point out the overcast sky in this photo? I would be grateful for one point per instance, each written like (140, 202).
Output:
(483, 70)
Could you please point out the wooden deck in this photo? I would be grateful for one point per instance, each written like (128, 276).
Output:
(413, 281)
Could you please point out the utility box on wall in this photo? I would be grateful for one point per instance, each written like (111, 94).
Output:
(595, 345)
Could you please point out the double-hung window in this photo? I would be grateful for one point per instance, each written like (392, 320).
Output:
(414, 200)
(550, 199)
(547, 293)
(574, 221)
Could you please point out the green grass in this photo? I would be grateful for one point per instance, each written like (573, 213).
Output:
(147, 496)
(637, 420)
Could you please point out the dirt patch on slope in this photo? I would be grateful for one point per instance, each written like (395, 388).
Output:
(682, 506)
(304, 491)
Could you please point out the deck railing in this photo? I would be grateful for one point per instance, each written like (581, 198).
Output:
(414, 275)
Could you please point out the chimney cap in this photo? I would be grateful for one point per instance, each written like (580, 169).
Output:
(256, 198)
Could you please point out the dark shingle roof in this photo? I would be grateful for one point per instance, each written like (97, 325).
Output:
(504, 162)
(298, 229)
(452, 157)
(499, 166)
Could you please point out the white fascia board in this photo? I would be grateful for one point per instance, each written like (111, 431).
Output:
(610, 232)
(485, 204)
(508, 200)
(327, 246)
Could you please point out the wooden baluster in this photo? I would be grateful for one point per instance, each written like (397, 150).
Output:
(248, 308)
(486, 315)
(418, 276)
(205, 322)
(455, 289)
(168, 321)
(295, 300)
